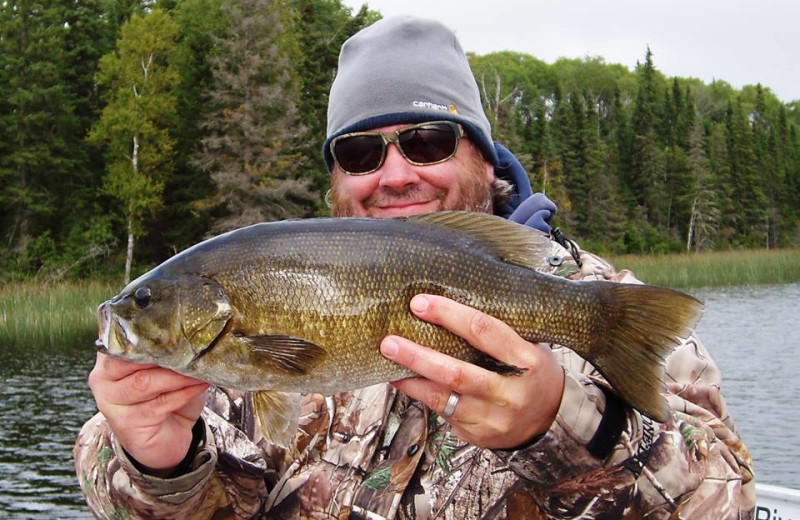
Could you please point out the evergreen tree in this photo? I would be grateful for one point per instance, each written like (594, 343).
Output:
(577, 178)
(790, 168)
(537, 137)
(747, 187)
(140, 82)
(767, 158)
(118, 12)
(560, 129)
(647, 175)
(793, 176)
(719, 162)
(84, 226)
(704, 219)
(618, 139)
(36, 116)
(321, 27)
(253, 131)
(184, 220)
(604, 214)
(676, 124)
(48, 59)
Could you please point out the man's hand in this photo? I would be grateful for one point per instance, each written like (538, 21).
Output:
(150, 409)
(493, 411)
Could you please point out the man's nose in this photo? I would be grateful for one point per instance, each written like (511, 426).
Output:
(396, 172)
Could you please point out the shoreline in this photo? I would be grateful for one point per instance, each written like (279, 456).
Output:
(58, 313)
(714, 269)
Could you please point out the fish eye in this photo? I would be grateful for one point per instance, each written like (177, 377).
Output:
(142, 297)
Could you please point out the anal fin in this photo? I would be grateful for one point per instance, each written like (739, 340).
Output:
(277, 415)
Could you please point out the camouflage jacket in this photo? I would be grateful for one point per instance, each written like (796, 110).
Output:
(375, 454)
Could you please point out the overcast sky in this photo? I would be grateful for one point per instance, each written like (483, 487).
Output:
(739, 41)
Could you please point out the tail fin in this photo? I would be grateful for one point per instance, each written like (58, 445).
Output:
(647, 323)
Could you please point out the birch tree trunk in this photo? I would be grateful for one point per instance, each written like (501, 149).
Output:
(141, 110)
(691, 226)
(131, 240)
(129, 252)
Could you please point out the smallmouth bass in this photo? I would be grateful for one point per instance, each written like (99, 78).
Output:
(302, 305)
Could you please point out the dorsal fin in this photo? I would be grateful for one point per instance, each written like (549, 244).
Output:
(511, 242)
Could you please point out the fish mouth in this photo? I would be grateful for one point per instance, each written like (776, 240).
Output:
(113, 333)
(104, 329)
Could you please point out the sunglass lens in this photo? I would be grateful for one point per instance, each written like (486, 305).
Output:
(429, 144)
(359, 153)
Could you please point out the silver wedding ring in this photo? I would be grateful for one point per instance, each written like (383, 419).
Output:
(452, 402)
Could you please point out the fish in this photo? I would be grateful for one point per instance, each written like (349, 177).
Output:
(300, 306)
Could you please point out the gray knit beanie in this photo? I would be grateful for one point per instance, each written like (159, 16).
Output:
(405, 70)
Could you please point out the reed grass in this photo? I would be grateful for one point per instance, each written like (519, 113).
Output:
(58, 314)
(50, 315)
(714, 269)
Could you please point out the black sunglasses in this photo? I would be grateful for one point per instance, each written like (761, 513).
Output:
(423, 144)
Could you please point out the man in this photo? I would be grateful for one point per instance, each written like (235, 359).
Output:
(407, 135)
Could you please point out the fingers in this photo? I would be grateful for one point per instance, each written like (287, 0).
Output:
(479, 330)
(150, 409)
(114, 368)
(452, 373)
(475, 420)
(493, 410)
(183, 405)
(435, 397)
(125, 383)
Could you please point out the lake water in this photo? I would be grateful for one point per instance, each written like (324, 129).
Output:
(44, 400)
(752, 332)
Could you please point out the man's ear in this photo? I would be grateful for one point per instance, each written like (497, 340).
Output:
(489, 171)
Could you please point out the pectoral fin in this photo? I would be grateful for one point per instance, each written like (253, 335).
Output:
(277, 414)
(285, 353)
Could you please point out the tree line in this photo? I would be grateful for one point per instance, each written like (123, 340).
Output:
(132, 129)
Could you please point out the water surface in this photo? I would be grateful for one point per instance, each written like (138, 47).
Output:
(44, 401)
(752, 332)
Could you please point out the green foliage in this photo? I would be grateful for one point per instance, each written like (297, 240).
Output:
(227, 129)
(617, 151)
(36, 121)
(320, 27)
(181, 221)
(134, 127)
(640, 237)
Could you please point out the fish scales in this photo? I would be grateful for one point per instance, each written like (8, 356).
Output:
(301, 306)
(352, 291)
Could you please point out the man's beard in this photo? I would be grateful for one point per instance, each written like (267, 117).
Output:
(475, 194)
